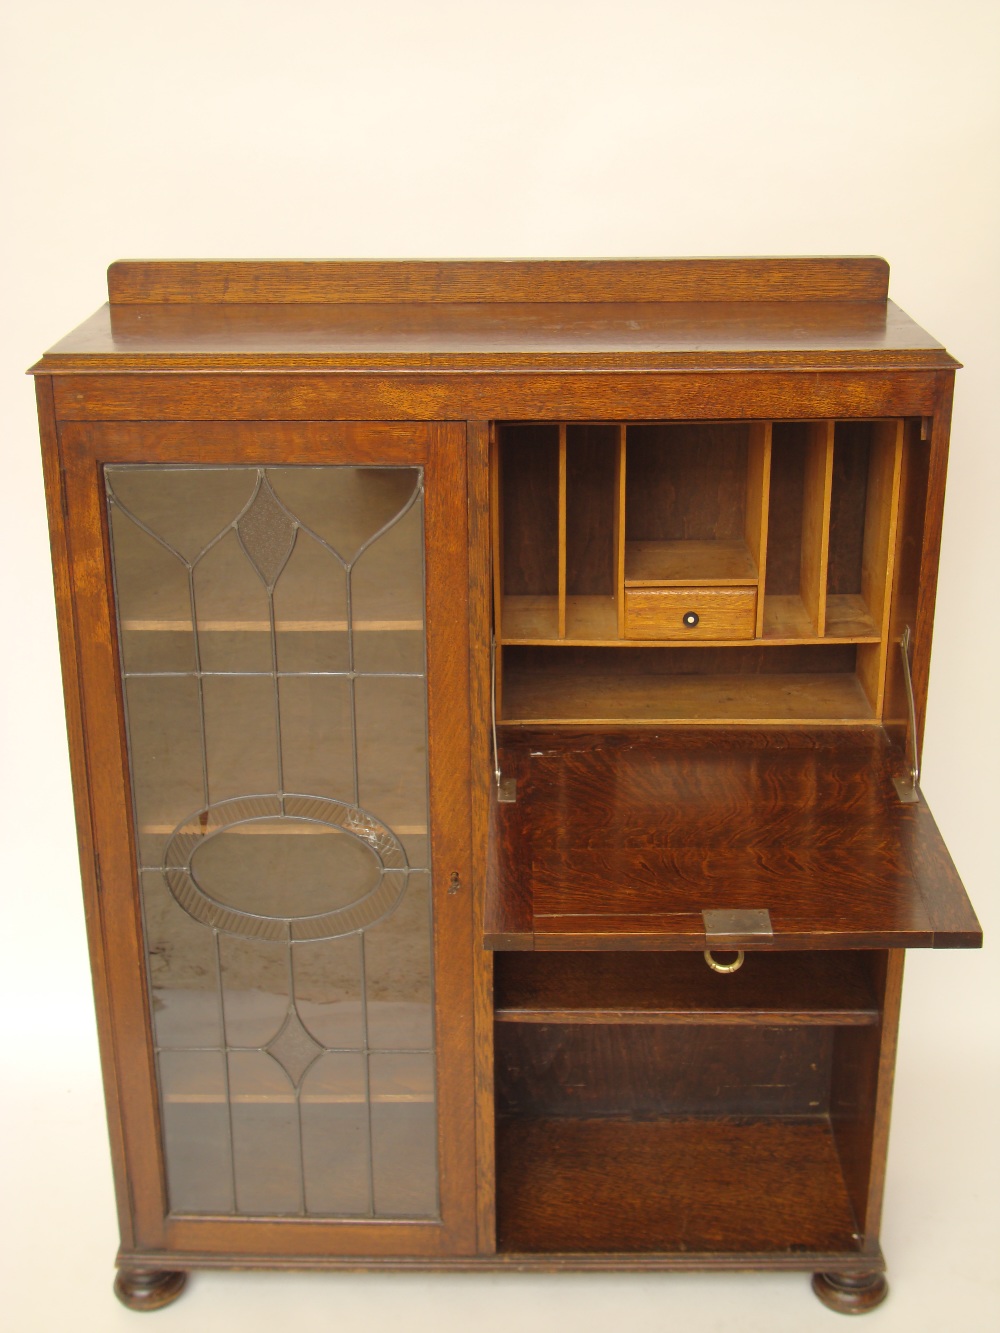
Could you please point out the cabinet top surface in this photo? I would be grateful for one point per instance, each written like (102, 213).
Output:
(497, 315)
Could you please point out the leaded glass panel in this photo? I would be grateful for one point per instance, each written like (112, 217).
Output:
(271, 626)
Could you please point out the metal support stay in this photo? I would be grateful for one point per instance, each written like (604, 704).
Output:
(506, 787)
(908, 788)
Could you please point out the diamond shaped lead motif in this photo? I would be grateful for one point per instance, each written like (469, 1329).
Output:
(267, 534)
(294, 1048)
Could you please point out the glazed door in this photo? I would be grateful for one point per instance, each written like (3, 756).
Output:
(273, 637)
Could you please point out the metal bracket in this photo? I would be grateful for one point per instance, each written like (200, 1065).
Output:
(728, 928)
(908, 788)
(506, 787)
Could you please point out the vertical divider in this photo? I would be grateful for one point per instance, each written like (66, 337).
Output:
(878, 557)
(816, 523)
(496, 542)
(619, 531)
(562, 530)
(758, 501)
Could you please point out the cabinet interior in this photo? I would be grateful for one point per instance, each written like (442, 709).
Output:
(748, 564)
(647, 1104)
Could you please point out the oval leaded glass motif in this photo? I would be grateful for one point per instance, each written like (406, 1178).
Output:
(274, 867)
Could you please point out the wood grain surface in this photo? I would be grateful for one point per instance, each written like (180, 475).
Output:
(532, 392)
(659, 613)
(826, 988)
(621, 839)
(236, 281)
(722, 1185)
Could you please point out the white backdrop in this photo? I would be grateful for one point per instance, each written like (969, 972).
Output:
(215, 128)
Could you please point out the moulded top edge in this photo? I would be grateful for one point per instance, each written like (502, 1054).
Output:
(497, 337)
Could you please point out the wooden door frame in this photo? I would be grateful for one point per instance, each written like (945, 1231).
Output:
(111, 881)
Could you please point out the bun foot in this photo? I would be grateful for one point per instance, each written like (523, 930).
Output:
(850, 1293)
(148, 1288)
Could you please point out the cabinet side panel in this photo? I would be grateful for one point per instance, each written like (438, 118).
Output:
(933, 519)
(854, 1094)
(906, 577)
(114, 845)
(76, 735)
(482, 766)
(892, 998)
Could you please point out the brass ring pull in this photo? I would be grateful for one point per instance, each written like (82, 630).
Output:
(734, 966)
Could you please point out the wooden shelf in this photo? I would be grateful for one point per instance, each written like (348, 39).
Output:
(292, 829)
(661, 563)
(787, 620)
(827, 989)
(848, 620)
(592, 622)
(848, 617)
(531, 620)
(264, 626)
(724, 1185)
(554, 696)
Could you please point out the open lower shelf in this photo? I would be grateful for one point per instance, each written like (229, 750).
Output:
(823, 989)
(556, 696)
(618, 1185)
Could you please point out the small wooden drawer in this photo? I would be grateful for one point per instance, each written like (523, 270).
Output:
(690, 613)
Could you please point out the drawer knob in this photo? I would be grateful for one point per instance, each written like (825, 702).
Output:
(716, 966)
(690, 618)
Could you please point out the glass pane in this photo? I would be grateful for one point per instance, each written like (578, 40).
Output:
(280, 797)
(165, 752)
(316, 743)
(185, 507)
(328, 990)
(336, 1152)
(344, 506)
(392, 750)
(387, 599)
(398, 973)
(196, 1131)
(266, 1157)
(310, 609)
(152, 586)
(241, 736)
(254, 989)
(404, 1151)
(183, 970)
(234, 626)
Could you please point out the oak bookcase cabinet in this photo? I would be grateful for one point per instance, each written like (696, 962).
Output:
(495, 694)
